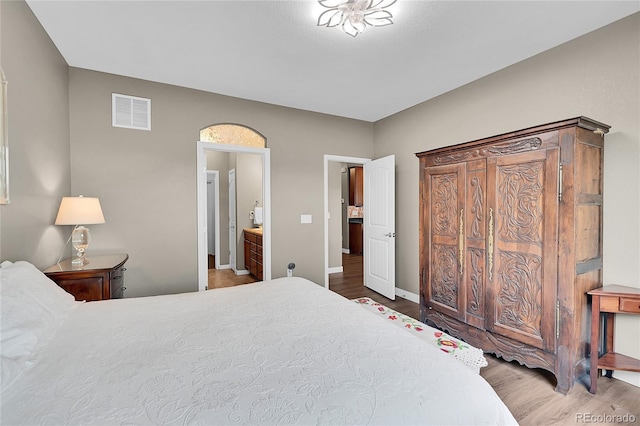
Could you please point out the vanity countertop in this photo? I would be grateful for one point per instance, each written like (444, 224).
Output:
(256, 231)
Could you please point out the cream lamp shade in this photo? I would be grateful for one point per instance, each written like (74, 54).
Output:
(79, 211)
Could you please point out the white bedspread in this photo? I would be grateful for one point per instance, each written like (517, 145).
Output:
(280, 352)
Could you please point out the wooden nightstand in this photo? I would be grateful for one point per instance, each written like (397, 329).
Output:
(102, 278)
(609, 300)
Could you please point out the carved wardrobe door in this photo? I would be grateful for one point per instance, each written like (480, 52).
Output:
(444, 207)
(522, 247)
(475, 238)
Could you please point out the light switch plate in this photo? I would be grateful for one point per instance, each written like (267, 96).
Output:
(305, 218)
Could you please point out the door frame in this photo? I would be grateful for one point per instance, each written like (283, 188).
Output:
(338, 159)
(233, 218)
(201, 187)
(214, 176)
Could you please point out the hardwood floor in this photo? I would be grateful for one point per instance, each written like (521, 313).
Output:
(528, 393)
(219, 278)
(349, 284)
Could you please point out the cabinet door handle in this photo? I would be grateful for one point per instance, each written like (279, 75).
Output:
(490, 244)
(461, 241)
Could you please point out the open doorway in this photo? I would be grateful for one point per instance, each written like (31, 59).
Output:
(233, 203)
(377, 217)
(240, 154)
(336, 201)
(345, 224)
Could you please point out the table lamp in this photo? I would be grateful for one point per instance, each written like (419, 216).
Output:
(79, 211)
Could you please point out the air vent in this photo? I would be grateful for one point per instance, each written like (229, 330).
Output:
(131, 112)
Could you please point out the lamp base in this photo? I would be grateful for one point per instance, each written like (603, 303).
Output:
(80, 240)
(79, 261)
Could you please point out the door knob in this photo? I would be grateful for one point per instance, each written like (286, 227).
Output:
(390, 234)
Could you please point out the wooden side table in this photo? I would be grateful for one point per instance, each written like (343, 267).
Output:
(102, 278)
(609, 300)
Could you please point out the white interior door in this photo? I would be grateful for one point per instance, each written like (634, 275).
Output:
(232, 219)
(211, 212)
(380, 226)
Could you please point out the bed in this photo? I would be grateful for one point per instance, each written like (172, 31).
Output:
(285, 351)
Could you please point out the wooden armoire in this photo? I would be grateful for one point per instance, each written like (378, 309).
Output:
(511, 241)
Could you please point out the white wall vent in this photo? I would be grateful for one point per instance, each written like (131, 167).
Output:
(130, 112)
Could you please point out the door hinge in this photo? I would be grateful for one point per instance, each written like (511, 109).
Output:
(557, 319)
(560, 183)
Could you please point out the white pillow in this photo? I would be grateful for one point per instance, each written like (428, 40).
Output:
(43, 288)
(32, 308)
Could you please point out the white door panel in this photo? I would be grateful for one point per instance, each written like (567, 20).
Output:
(379, 226)
(379, 250)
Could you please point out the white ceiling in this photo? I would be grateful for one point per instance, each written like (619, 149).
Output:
(272, 51)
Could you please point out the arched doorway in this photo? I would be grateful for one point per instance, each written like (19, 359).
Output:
(223, 148)
(233, 134)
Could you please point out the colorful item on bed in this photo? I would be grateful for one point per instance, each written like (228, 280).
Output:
(469, 355)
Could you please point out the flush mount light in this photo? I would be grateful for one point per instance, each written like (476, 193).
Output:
(355, 15)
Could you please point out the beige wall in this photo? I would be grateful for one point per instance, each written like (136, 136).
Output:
(38, 108)
(597, 76)
(146, 180)
(248, 191)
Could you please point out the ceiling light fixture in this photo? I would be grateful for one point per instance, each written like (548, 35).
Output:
(355, 15)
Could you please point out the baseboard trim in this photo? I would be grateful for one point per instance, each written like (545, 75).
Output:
(224, 267)
(335, 270)
(404, 294)
(242, 272)
(346, 251)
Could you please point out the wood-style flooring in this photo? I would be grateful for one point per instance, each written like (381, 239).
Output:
(350, 284)
(219, 278)
(528, 393)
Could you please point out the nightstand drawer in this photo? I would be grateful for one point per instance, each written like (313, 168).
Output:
(89, 289)
(630, 305)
